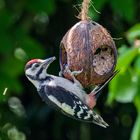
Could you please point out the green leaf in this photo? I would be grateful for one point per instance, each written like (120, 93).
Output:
(133, 33)
(137, 65)
(137, 101)
(135, 135)
(126, 59)
(122, 49)
(125, 8)
(122, 88)
(137, 97)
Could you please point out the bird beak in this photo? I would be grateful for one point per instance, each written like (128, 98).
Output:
(48, 61)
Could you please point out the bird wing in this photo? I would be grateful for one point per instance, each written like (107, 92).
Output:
(71, 105)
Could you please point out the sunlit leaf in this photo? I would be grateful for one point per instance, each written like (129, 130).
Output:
(123, 49)
(122, 88)
(137, 97)
(137, 101)
(137, 65)
(133, 33)
(126, 59)
(135, 135)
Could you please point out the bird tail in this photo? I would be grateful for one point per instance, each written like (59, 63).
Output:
(97, 119)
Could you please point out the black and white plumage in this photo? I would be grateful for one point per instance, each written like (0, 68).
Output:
(68, 97)
(69, 104)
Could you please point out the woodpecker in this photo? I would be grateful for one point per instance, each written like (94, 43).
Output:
(67, 96)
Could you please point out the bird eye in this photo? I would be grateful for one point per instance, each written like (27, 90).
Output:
(36, 65)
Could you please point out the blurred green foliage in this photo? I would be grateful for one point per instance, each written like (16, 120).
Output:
(33, 29)
(125, 87)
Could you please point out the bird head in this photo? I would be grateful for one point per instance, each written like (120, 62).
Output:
(36, 69)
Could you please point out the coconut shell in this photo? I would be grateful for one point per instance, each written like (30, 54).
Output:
(89, 47)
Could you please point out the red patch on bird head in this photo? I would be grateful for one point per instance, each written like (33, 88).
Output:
(29, 64)
(32, 61)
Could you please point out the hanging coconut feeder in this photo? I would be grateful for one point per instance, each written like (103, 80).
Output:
(89, 47)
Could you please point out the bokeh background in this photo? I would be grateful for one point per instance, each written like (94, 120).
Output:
(33, 29)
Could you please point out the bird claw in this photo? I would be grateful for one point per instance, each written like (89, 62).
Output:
(60, 73)
(75, 73)
(72, 73)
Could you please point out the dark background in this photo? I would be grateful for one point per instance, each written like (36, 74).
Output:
(33, 29)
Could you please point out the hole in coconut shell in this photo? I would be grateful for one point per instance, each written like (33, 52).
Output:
(103, 60)
(98, 51)
(104, 49)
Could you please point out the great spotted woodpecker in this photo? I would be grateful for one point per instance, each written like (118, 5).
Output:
(67, 96)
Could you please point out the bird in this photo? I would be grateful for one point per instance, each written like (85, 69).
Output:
(68, 97)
